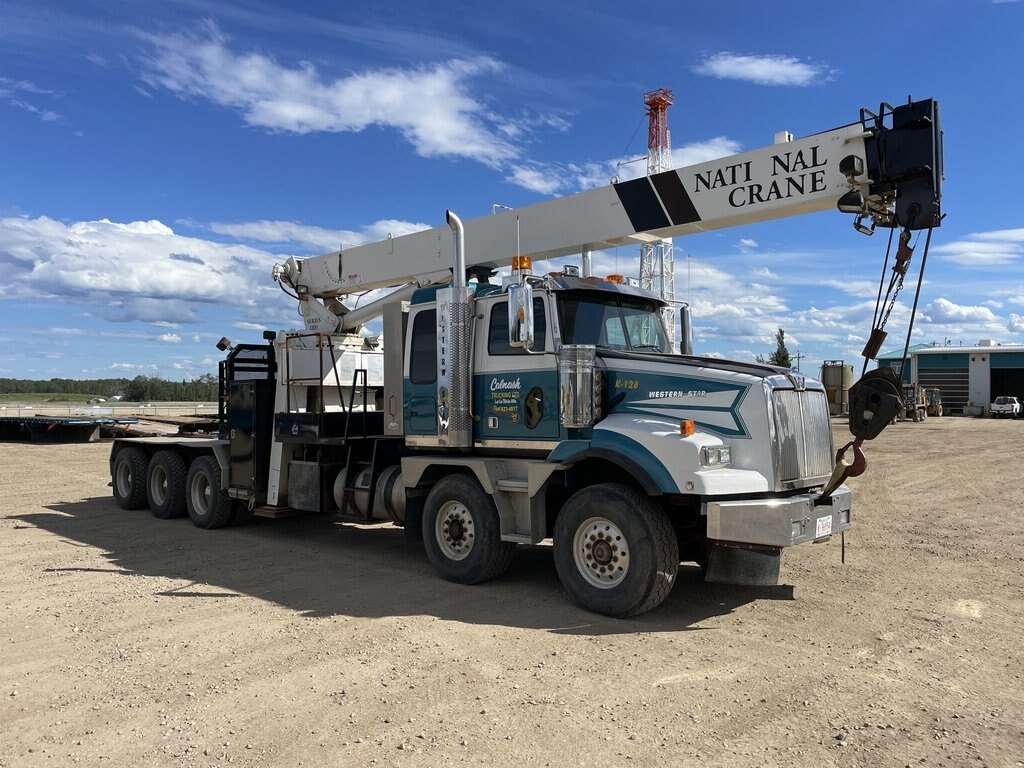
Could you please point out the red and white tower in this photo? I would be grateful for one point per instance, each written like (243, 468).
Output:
(657, 262)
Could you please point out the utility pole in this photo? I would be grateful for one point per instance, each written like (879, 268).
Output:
(798, 357)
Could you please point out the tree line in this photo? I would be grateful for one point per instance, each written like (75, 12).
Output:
(139, 389)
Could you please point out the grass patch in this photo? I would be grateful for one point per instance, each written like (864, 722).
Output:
(45, 397)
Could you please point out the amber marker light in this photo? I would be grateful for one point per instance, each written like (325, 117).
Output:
(686, 427)
(520, 263)
(616, 279)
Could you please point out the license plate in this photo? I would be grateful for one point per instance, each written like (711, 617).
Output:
(823, 527)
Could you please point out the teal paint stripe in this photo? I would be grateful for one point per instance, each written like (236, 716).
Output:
(568, 450)
(638, 454)
(738, 431)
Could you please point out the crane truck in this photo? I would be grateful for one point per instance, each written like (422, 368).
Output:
(549, 407)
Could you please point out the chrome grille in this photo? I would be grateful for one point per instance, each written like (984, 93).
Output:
(804, 435)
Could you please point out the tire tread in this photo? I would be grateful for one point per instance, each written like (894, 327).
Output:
(138, 464)
(177, 473)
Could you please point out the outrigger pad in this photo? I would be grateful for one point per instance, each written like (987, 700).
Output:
(875, 401)
(744, 565)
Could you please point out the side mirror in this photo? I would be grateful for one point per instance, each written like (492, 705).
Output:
(520, 315)
(685, 330)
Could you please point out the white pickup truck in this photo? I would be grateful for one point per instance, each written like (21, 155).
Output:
(1005, 407)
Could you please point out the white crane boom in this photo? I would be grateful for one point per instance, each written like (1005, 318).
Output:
(789, 178)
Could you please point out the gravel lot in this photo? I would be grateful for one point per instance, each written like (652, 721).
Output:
(131, 641)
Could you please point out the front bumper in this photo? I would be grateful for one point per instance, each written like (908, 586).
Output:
(779, 522)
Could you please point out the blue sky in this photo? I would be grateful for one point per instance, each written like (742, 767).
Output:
(157, 158)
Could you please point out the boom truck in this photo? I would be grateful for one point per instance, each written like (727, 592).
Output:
(550, 406)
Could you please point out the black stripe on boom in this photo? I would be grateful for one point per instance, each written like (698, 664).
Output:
(674, 196)
(641, 205)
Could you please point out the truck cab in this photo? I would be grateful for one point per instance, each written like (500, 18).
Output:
(598, 399)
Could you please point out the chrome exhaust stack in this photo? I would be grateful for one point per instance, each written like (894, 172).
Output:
(454, 318)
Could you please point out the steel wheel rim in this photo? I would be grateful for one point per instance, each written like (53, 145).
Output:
(454, 530)
(158, 485)
(201, 495)
(601, 553)
(124, 479)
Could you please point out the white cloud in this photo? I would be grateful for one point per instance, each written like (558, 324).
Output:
(317, 238)
(851, 287)
(13, 93)
(702, 151)
(763, 70)
(1003, 235)
(432, 107)
(985, 249)
(130, 271)
(169, 338)
(945, 311)
(565, 178)
(544, 180)
(1016, 323)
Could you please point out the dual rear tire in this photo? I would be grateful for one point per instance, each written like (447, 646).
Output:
(172, 488)
(165, 485)
(462, 532)
(207, 503)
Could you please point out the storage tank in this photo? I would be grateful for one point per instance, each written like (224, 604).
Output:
(837, 377)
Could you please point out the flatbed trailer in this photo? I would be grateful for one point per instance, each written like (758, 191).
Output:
(58, 429)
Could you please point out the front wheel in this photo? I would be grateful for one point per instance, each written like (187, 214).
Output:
(462, 532)
(615, 550)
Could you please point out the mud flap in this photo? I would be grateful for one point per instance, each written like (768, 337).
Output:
(744, 565)
(413, 524)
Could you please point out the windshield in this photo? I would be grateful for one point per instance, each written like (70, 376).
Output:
(612, 320)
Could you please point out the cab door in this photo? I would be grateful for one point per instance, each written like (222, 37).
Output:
(515, 395)
(420, 406)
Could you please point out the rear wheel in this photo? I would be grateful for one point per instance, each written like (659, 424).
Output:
(208, 504)
(615, 550)
(165, 485)
(128, 476)
(462, 532)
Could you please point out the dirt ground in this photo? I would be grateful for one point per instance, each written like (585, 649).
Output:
(131, 641)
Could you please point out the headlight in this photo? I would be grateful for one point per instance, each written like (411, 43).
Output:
(715, 456)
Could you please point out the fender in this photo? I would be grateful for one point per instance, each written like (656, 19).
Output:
(571, 452)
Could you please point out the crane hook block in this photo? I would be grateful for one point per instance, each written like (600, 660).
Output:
(875, 401)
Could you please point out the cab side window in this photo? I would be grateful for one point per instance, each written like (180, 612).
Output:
(423, 354)
(497, 335)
